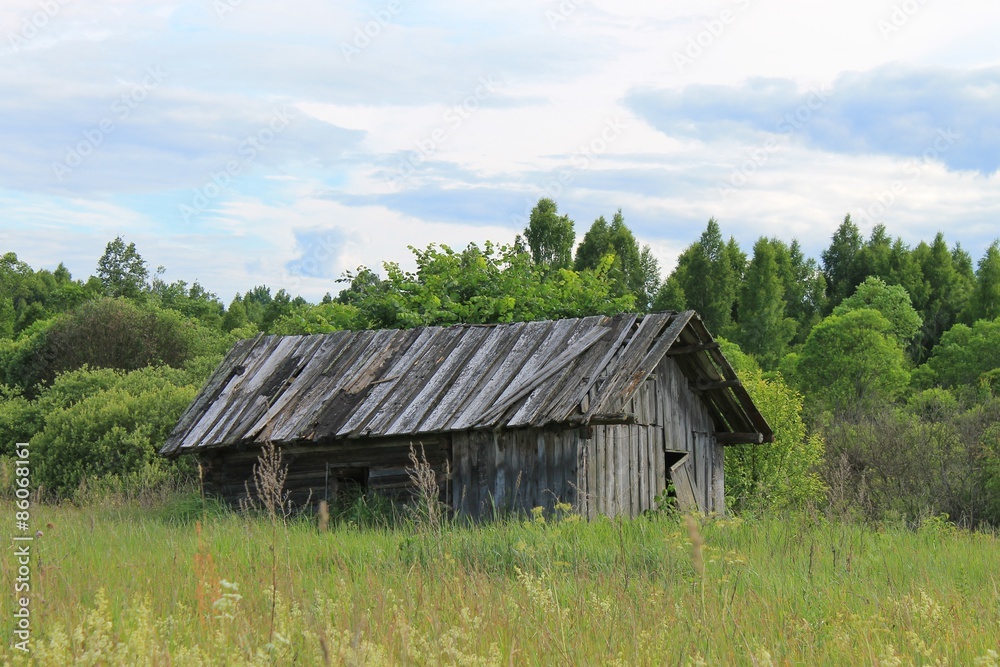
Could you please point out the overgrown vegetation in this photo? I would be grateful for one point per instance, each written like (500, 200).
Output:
(789, 589)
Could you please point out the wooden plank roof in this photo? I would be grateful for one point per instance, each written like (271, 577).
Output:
(359, 384)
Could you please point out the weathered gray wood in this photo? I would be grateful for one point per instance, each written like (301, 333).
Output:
(687, 494)
(626, 383)
(578, 412)
(547, 346)
(718, 480)
(413, 382)
(726, 438)
(611, 395)
(562, 463)
(223, 374)
(337, 370)
(464, 384)
(282, 409)
(247, 398)
(525, 339)
(407, 350)
(567, 387)
(617, 471)
(631, 465)
(593, 465)
(600, 470)
(218, 412)
(642, 453)
(536, 381)
(543, 460)
(412, 417)
(656, 446)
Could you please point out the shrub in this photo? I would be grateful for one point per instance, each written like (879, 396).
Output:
(107, 333)
(783, 474)
(112, 432)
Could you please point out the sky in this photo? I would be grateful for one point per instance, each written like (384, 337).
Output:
(250, 142)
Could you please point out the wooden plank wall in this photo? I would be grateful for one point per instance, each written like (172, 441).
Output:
(623, 469)
(499, 472)
(225, 471)
(688, 427)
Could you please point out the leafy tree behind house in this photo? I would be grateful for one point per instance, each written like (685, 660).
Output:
(122, 270)
(550, 236)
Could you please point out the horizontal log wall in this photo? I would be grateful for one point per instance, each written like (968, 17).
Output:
(226, 472)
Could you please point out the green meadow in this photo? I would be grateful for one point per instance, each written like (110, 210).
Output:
(179, 583)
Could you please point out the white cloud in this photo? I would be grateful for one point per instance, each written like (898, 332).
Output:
(394, 103)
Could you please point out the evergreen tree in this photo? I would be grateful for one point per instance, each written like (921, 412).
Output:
(763, 330)
(840, 262)
(634, 271)
(595, 244)
(985, 301)
(649, 268)
(949, 281)
(804, 287)
(708, 273)
(670, 295)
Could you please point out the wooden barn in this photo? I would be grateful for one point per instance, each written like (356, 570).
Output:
(600, 412)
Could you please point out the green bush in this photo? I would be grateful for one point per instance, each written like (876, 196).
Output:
(106, 333)
(20, 419)
(111, 432)
(782, 474)
(965, 356)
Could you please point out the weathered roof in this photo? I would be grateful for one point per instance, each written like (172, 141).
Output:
(356, 384)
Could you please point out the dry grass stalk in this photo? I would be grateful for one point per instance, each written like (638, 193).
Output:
(430, 510)
(269, 475)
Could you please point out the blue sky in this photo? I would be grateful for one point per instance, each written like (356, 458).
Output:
(246, 142)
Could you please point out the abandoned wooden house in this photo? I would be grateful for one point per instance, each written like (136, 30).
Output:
(599, 412)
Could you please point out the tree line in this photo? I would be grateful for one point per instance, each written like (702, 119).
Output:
(878, 364)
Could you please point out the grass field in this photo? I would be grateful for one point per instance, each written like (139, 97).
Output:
(134, 586)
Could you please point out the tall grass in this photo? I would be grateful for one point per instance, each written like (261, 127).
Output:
(131, 586)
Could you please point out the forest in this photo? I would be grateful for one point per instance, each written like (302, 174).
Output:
(877, 364)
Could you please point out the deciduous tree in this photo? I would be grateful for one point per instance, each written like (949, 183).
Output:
(122, 270)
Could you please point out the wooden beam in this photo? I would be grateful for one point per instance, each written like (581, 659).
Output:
(691, 349)
(727, 438)
(612, 418)
(705, 385)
